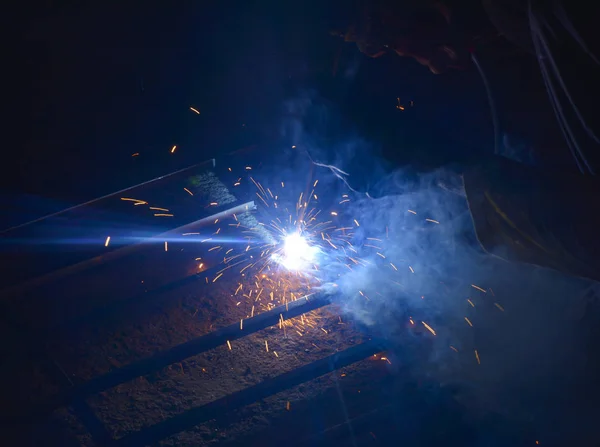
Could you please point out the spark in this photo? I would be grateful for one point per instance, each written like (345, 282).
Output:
(128, 199)
(107, 241)
(166, 246)
(469, 322)
(163, 215)
(155, 208)
(136, 154)
(173, 149)
(429, 328)
(431, 220)
(478, 288)
(499, 306)
(229, 345)
(411, 211)
(217, 277)
(188, 191)
(195, 111)
(477, 357)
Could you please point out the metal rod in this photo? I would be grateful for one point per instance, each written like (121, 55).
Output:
(115, 254)
(181, 352)
(89, 202)
(224, 405)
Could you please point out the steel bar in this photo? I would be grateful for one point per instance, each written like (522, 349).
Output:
(185, 350)
(90, 202)
(115, 254)
(221, 406)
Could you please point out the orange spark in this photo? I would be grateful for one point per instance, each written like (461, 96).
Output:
(478, 288)
(429, 328)
(127, 199)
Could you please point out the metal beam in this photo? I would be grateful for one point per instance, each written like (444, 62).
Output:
(222, 406)
(91, 202)
(181, 352)
(115, 254)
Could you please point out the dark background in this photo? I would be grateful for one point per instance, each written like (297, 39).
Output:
(91, 84)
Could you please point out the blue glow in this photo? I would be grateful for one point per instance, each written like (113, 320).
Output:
(297, 253)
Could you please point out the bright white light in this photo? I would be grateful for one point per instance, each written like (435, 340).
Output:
(297, 254)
